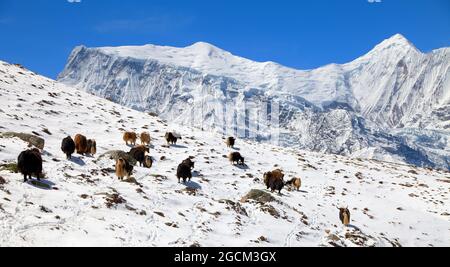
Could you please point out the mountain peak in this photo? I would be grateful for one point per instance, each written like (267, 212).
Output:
(206, 48)
(398, 38)
(397, 42)
(203, 45)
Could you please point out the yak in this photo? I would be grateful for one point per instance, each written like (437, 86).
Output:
(184, 171)
(138, 153)
(172, 138)
(91, 147)
(274, 180)
(344, 216)
(148, 162)
(236, 157)
(123, 168)
(29, 162)
(130, 138)
(68, 147)
(189, 162)
(295, 182)
(230, 142)
(145, 138)
(81, 144)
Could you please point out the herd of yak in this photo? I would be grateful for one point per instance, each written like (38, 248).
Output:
(30, 162)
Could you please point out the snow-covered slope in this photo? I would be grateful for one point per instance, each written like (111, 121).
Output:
(391, 204)
(393, 86)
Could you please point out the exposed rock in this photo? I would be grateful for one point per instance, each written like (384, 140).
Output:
(114, 199)
(11, 167)
(258, 196)
(236, 206)
(116, 154)
(32, 140)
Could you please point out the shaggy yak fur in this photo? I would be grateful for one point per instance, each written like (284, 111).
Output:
(123, 168)
(142, 148)
(148, 162)
(68, 147)
(274, 180)
(145, 138)
(275, 185)
(172, 138)
(236, 157)
(29, 162)
(230, 142)
(138, 153)
(344, 215)
(296, 183)
(91, 147)
(276, 174)
(184, 171)
(81, 144)
(189, 162)
(130, 138)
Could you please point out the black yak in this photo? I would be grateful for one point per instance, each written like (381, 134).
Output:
(172, 138)
(29, 162)
(189, 162)
(138, 153)
(275, 185)
(236, 157)
(184, 171)
(68, 147)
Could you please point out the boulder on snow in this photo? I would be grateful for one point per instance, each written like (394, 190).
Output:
(258, 196)
(11, 167)
(32, 140)
(116, 154)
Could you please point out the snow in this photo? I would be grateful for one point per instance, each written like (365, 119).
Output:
(211, 60)
(347, 83)
(392, 87)
(391, 204)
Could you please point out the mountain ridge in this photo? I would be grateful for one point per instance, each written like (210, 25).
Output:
(392, 87)
(397, 40)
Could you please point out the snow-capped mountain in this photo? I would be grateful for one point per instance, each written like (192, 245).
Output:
(350, 109)
(86, 205)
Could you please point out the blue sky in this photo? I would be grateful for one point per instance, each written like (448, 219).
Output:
(302, 34)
